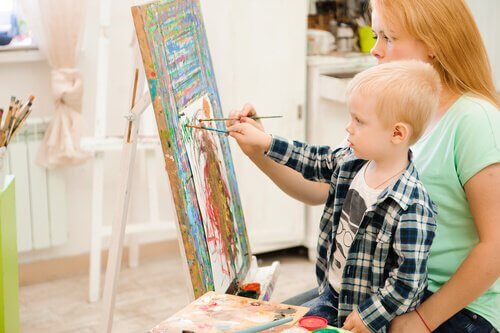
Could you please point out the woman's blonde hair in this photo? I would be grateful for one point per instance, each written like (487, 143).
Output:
(404, 91)
(448, 28)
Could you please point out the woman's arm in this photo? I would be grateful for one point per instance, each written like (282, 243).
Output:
(478, 271)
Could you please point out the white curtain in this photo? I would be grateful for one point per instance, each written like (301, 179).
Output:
(57, 27)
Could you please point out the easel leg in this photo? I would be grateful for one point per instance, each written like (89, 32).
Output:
(118, 232)
(96, 233)
(120, 221)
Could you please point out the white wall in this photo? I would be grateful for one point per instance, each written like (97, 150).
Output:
(22, 79)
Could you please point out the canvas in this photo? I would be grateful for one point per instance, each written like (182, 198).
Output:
(183, 90)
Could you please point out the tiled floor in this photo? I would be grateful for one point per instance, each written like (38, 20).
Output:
(146, 295)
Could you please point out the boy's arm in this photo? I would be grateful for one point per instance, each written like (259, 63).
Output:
(291, 182)
(413, 239)
(313, 162)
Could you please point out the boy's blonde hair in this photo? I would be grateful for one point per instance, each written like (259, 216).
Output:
(448, 29)
(403, 91)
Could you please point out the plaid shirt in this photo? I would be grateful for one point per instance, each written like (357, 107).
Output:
(385, 273)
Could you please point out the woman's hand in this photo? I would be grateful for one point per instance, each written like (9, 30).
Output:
(408, 323)
(354, 323)
(244, 116)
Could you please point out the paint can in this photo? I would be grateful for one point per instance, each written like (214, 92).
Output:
(312, 322)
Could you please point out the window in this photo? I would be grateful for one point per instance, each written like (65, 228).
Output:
(13, 28)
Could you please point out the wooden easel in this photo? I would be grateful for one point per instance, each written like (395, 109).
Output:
(266, 275)
(124, 192)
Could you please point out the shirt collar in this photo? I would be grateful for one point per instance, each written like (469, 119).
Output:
(402, 190)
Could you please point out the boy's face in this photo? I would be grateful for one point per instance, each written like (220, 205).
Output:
(369, 138)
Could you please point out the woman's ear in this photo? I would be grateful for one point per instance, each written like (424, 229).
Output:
(400, 133)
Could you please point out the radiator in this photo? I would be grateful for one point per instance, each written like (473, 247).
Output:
(40, 193)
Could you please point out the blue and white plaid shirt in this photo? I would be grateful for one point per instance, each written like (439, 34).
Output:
(385, 274)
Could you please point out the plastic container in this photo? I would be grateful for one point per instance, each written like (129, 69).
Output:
(312, 322)
(366, 40)
(327, 330)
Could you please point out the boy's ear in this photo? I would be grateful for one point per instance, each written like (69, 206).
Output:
(400, 133)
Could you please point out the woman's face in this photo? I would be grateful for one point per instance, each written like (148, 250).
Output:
(395, 44)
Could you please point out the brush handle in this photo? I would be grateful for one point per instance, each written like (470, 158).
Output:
(224, 119)
(266, 325)
(209, 129)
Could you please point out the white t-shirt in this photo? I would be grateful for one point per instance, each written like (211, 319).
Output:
(359, 198)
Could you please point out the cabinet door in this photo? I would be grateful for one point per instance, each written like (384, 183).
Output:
(270, 73)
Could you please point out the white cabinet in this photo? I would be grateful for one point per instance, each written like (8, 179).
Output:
(327, 114)
(259, 53)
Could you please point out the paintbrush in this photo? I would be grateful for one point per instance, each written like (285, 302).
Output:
(20, 123)
(15, 119)
(223, 119)
(208, 129)
(22, 112)
(17, 116)
(266, 326)
(9, 112)
(9, 121)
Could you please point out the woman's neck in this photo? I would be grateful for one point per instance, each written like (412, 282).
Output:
(447, 99)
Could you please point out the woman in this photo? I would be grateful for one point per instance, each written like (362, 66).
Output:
(458, 161)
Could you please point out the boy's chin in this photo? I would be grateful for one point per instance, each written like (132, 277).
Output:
(359, 154)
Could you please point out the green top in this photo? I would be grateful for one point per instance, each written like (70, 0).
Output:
(465, 141)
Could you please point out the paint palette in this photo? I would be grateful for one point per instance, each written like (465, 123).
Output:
(216, 313)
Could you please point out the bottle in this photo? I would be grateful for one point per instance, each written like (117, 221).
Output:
(345, 38)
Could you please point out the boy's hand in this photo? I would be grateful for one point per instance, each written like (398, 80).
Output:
(250, 139)
(354, 323)
(244, 115)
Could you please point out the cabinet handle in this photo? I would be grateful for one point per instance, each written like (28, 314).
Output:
(299, 111)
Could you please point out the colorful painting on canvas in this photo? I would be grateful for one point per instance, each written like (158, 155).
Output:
(183, 90)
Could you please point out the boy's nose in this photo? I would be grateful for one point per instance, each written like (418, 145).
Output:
(349, 128)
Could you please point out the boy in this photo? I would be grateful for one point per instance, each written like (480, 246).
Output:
(378, 223)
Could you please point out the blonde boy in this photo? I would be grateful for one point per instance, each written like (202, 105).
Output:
(378, 223)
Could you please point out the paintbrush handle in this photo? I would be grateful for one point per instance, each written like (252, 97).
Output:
(208, 129)
(255, 118)
(19, 125)
(266, 326)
